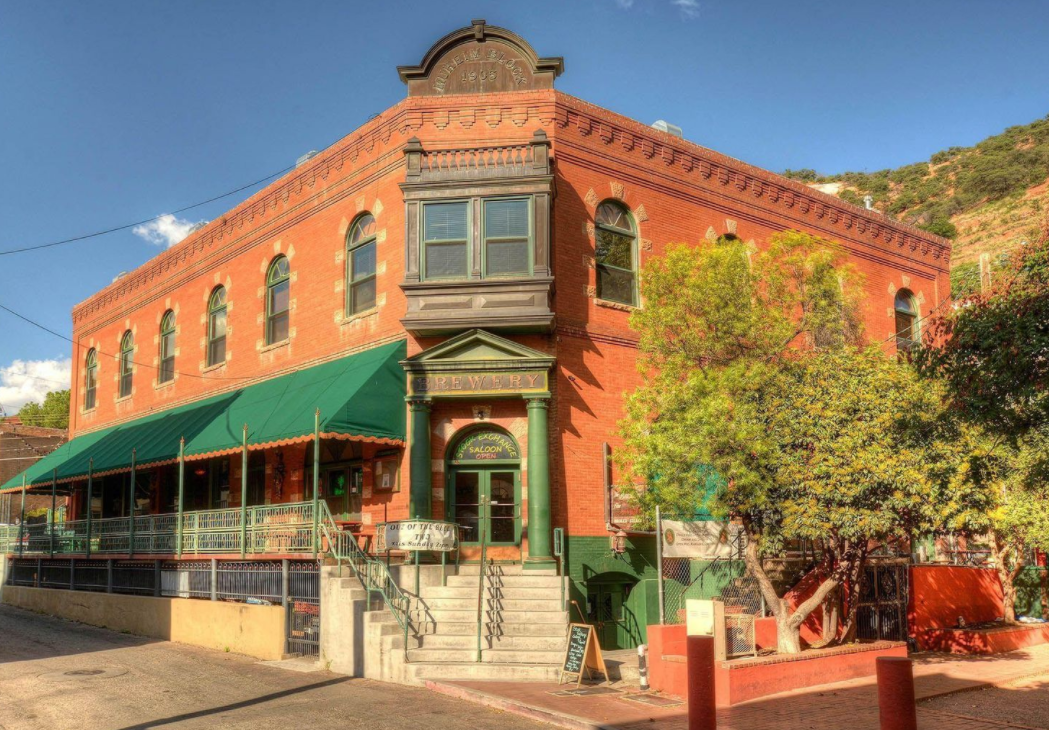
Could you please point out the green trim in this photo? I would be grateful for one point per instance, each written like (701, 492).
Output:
(484, 492)
(530, 237)
(424, 242)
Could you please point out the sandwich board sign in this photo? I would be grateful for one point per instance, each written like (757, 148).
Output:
(582, 655)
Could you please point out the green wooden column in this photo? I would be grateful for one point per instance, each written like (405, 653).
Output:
(540, 537)
(181, 494)
(244, 494)
(420, 497)
(21, 521)
(90, 494)
(131, 510)
(54, 506)
(316, 480)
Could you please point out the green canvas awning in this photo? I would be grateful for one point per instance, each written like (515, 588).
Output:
(360, 397)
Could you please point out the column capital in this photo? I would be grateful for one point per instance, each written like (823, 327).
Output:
(419, 405)
(538, 402)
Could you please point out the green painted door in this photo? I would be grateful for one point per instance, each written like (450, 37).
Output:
(607, 615)
(495, 494)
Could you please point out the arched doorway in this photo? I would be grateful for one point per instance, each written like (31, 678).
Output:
(610, 611)
(484, 486)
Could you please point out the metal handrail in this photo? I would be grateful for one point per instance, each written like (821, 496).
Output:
(372, 572)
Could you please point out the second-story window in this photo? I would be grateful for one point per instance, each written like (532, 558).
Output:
(217, 327)
(616, 254)
(446, 250)
(90, 379)
(166, 372)
(127, 354)
(906, 321)
(278, 300)
(507, 237)
(360, 265)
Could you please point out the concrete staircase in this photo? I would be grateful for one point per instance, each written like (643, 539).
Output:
(522, 635)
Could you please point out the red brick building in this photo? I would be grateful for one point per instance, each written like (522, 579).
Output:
(493, 226)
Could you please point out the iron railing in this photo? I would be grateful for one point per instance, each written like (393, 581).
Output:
(279, 529)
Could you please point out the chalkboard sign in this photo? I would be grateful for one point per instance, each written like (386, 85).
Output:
(582, 654)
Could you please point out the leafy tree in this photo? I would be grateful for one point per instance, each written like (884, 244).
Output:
(52, 413)
(754, 370)
(941, 226)
(993, 356)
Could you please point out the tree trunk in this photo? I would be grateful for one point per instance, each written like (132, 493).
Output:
(1044, 580)
(788, 636)
(1007, 574)
(856, 575)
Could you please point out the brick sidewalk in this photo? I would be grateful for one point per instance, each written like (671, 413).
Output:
(851, 705)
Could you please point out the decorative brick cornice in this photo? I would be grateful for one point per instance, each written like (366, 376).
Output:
(739, 180)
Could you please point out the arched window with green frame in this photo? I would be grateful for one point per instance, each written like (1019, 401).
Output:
(360, 265)
(127, 365)
(217, 326)
(278, 300)
(90, 379)
(616, 253)
(166, 373)
(905, 309)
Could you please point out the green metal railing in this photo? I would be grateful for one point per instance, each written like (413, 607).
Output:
(282, 529)
(372, 572)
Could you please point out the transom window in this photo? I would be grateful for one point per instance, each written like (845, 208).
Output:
(90, 379)
(217, 327)
(127, 353)
(906, 320)
(616, 254)
(360, 265)
(446, 243)
(507, 236)
(167, 348)
(278, 300)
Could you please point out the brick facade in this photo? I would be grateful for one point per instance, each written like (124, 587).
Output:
(676, 191)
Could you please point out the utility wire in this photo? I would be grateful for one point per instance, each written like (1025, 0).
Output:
(117, 357)
(143, 222)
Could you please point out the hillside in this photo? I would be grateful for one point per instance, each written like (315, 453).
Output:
(989, 198)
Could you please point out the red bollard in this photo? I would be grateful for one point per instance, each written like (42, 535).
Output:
(702, 712)
(896, 709)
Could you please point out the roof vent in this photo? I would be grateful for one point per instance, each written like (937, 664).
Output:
(664, 126)
(306, 158)
(119, 276)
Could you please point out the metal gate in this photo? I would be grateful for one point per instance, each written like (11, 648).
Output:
(304, 609)
(882, 611)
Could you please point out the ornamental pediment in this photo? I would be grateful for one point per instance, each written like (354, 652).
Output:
(480, 59)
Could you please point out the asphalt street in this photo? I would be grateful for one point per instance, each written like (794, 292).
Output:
(56, 674)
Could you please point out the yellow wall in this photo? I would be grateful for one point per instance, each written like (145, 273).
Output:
(257, 631)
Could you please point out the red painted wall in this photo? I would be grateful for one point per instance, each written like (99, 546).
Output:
(942, 593)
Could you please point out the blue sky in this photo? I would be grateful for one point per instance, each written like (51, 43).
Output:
(112, 112)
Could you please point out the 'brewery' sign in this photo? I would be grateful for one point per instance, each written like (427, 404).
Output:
(488, 383)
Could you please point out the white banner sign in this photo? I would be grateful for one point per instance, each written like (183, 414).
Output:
(705, 540)
(417, 535)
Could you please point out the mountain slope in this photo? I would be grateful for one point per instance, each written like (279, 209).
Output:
(989, 198)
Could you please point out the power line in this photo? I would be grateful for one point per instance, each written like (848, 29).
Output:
(116, 357)
(147, 220)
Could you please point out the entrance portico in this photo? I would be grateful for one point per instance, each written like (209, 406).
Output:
(478, 368)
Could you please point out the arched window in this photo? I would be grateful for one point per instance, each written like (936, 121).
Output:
(616, 257)
(360, 265)
(217, 326)
(906, 320)
(127, 354)
(90, 379)
(278, 300)
(167, 348)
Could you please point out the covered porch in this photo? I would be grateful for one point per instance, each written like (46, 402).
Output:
(274, 469)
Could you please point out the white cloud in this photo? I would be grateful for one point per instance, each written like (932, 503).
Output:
(689, 8)
(28, 381)
(166, 230)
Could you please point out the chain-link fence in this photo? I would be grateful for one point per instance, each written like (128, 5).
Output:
(720, 578)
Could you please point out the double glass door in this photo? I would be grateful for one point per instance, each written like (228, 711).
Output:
(495, 495)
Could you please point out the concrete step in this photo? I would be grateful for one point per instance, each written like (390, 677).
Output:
(496, 569)
(442, 655)
(504, 629)
(526, 643)
(521, 656)
(464, 615)
(508, 591)
(515, 581)
(514, 616)
(490, 604)
(420, 672)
